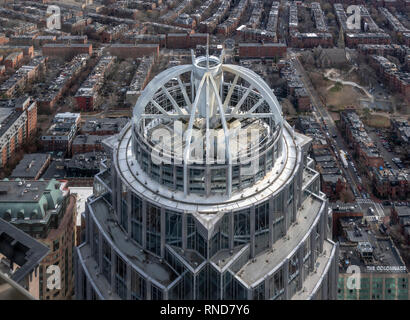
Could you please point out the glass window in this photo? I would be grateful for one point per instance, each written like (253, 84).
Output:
(124, 214)
(195, 240)
(173, 228)
(261, 227)
(156, 293)
(183, 289)
(259, 292)
(120, 278)
(197, 180)
(276, 284)
(293, 267)
(233, 290)
(220, 240)
(136, 219)
(208, 284)
(262, 217)
(154, 229)
(138, 286)
(106, 267)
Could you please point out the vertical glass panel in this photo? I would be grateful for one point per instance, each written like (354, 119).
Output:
(241, 227)
(259, 292)
(138, 286)
(156, 293)
(261, 227)
(96, 244)
(154, 229)
(120, 278)
(208, 284)
(173, 228)
(124, 214)
(106, 267)
(136, 219)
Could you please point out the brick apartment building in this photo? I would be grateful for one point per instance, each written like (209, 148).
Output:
(264, 50)
(401, 130)
(391, 183)
(86, 143)
(363, 146)
(13, 60)
(18, 125)
(3, 39)
(60, 135)
(125, 50)
(401, 216)
(28, 51)
(392, 76)
(87, 96)
(22, 76)
(62, 49)
(48, 98)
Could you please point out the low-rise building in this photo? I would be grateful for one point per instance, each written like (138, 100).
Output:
(103, 126)
(60, 135)
(49, 96)
(363, 146)
(46, 211)
(125, 50)
(32, 166)
(264, 50)
(87, 96)
(392, 75)
(22, 76)
(380, 272)
(86, 143)
(401, 131)
(13, 60)
(391, 183)
(401, 216)
(20, 256)
(64, 50)
(140, 79)
(84, 164)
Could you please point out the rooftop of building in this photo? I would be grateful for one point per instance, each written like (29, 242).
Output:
(85, 161)
(87, 139)
(30, 166)
(402, 211)
(283, 248)
(102, 211)
(18, 246)
(363, 244)
(96, 125)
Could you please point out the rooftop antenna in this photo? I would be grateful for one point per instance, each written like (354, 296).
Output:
(207, 53)
(221, 56)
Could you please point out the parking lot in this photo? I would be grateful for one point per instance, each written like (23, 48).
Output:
(386, 147)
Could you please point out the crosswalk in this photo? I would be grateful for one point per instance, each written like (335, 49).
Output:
(370, 203)
(379, 209)
(367, 201)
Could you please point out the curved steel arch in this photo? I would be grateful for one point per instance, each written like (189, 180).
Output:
(204, 89)
(251, 77)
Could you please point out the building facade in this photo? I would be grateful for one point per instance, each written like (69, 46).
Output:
(188, 227)
(46, 211)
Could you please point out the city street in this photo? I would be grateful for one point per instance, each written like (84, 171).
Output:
(338, 142)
